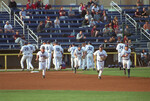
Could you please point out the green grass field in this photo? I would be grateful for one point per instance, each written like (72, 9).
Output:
(135, 72)
(51, 95)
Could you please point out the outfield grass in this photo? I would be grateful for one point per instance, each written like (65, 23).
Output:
(135, 72)
(49, 95)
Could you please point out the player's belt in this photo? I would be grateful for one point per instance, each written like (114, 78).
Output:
(27, 54)
(125, 59)
(42, 61)
(100, 61)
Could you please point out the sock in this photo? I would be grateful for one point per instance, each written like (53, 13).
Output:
(128, 72)
(100, 73)
(43, 72)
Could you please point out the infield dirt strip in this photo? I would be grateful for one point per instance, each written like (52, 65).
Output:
(66, 80)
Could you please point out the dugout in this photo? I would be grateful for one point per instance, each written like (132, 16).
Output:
(13, 62)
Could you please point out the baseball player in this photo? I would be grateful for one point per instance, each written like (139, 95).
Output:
(78, 57)
(119, 48)
(57, 55)
(89, 51)
(26, 53)
(84, 58)
(31, 50)
(43, 45)
(72, 50)
(101, 56)
(48, 49)
(126, 59)
(42, 56)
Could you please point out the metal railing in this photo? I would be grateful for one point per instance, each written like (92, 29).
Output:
(132, 22)
(117, 8)
(6, 8)
(20, 22)
(33, 36)
(30, 32)
(145, 33)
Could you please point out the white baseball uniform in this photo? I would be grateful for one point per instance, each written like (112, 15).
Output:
(42, 61)
(90, 50)
(57, 54)
(48, 49)
(100, 62)
(126, 59)
(84, 60)
(72, 50)
(78, 59)
(31, 50)
(119, 48)
(26, 53)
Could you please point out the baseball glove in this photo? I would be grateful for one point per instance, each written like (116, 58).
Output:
(103, 58)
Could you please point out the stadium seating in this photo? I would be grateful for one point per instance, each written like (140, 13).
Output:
(67, 25)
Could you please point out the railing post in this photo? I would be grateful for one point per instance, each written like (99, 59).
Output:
(5, 62)
(23, 29)
(10, 16)
(135, 59)
(14, 19)
(1, 6)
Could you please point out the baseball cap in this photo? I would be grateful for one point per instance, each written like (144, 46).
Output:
(126, 45)
(101, 46)
(89, 42)
(43, 42)
(26, 43)
(42, 47)
(79, 46)
(7, 21)
(48, 41)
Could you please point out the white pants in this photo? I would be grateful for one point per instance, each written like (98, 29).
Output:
(42, 66)
(126, 63)
(84, 62)
(119, 58)
(25, 57)
(30, 61)
(57, 62)
(48, 61)
(90, 61)
(100, 65)
(72, 62)
(78, 62)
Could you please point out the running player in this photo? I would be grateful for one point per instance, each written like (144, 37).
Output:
(119, 48)
(42, 56)
(31, 49)
(57, 55)
(48, 49)
(26, 52)
(43, 45)
(78, 57)
(89, 51)
(101, 56)
(126, 59)
(84, 58)
(72, 50)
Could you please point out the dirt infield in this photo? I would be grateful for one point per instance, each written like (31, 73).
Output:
(66, 80)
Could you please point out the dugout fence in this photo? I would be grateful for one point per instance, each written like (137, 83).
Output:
(11, 61)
